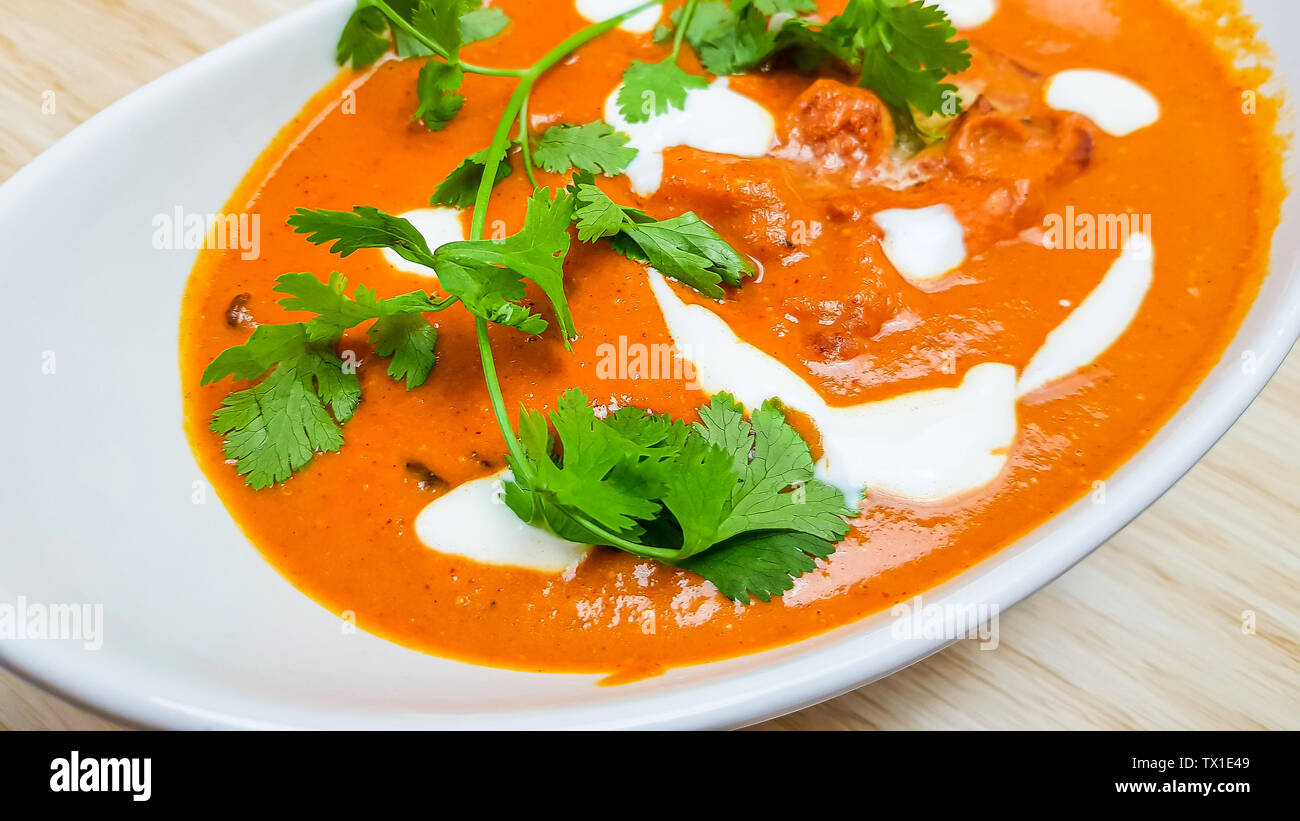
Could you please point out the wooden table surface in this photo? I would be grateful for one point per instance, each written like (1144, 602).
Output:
(1146, 633)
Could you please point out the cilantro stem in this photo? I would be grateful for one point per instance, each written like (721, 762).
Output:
(412, 31)
(525, 144)
(494, 393)
(515, 109)
(608, 539)
(682, 25)
(501, 140)
(521, 463)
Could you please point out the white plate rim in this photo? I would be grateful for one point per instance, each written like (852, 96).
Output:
(1006, 579)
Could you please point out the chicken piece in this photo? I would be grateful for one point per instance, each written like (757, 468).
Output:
(838, 128)
(1050, 146)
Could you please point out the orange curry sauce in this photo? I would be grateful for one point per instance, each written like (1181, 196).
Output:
(828, 305)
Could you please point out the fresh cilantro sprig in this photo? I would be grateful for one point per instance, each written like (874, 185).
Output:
(400, 331)
(424, 28)
(684, 247)
(594, 148)
(739, 492)
(728, 37)
(731, 38)
(651, 89)
(418, 28)
(461, 187)
(276, 426)
(730, 498)
(487, 274)
(903, 50)
(438, 90)
(362, 227)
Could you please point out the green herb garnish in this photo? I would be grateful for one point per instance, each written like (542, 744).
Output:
(903, 50)
(275, 427)
(684, 247)
(460, 188)
(730, 498)
(594, 148)
(424, 28)
(650, 89)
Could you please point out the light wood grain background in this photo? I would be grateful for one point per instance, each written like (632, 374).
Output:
(1146, 633)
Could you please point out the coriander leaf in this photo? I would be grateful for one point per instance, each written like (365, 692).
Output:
(901, 49)
(723, 424)
(738, 43)
(535, 443)
(460, 188)
(405, 44)
(908, 53)
(904, 50)
(439, 20)
(534, 500)
(362, 227)
(777, 489)
(661, 33)
(687, 249)
(729, 498)
(410, 340)
(275, 427)
(594, 148)
(592, 450)
(596, 215)
(437, 88)
(803, 40)
(268, 345)
(755, 475)
(607, 471)
(490, 270)
(480, 24)
(785, 6)
(495, 294)
(364, 38)
(649, 430)
(698, 491)
(336, 382)
(684, 247)
(475, 23)
(328, 300)
(400, 329)
(731, 38)
(761, 564)
(662, 442)
(654, 88)
(416, 302)
(709, 16)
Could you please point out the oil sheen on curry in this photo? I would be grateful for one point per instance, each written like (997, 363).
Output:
(970, 323)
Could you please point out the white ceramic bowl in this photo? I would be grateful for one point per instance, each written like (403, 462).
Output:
(199, 631)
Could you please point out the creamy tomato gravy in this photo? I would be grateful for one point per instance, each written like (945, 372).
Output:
(827, 305)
